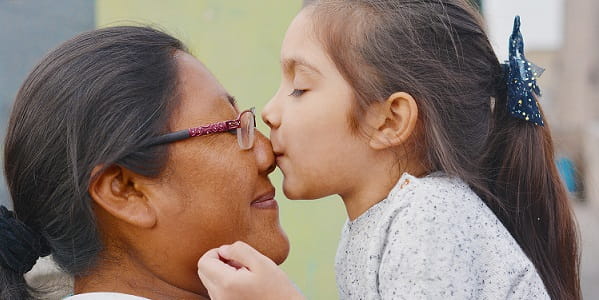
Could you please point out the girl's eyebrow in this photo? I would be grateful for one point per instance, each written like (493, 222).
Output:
(289, 65)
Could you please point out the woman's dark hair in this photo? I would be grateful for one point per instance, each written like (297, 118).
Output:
(96, 100)
(438, 51)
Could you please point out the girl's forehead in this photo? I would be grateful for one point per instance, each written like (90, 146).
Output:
(298, 32)
(293, 64)
(301, 50)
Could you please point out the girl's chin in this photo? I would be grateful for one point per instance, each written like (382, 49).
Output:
(302, 185)
(295, 192)
(292, 192)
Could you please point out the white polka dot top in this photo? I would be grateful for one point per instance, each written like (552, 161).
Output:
(432, 238)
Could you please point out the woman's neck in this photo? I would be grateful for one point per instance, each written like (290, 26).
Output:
(128, 277)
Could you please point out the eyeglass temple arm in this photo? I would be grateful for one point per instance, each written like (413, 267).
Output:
(199, 131)
(170, 137)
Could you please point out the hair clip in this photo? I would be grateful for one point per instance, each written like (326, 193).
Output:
(521, 76)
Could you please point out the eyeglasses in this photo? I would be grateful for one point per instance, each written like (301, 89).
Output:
(244, 126)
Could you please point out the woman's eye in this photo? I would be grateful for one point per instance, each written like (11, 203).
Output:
(297, 92)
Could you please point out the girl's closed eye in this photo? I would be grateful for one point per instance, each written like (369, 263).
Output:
(297, 92)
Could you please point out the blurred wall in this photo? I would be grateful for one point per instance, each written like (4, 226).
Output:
(579, 92)
(578, 130)
(239, 41)
(542, 24)
(29, 29)
(542, 30)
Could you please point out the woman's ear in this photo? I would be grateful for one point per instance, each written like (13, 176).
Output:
(120, 192)
(393, 121)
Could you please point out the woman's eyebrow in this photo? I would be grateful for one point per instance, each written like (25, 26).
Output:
(231, 100)
(289, 65)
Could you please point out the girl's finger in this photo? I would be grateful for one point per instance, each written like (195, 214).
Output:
(212, 269)
(240, 254)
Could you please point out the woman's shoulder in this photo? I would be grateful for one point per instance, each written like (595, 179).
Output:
(103, 296)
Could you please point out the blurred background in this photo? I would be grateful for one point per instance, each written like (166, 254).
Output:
(239, 42)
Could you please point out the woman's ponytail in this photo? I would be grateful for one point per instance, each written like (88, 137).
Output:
(20, 247)
(13, 285)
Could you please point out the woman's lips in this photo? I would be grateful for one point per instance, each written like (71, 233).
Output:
(266, 201)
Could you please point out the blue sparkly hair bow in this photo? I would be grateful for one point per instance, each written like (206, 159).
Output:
(521, 76)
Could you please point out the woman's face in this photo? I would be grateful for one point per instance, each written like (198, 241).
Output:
(309, 119)
(211, 192)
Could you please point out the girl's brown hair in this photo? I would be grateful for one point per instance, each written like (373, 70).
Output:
(438, 51)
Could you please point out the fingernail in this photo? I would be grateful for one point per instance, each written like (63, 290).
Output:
(224, 249)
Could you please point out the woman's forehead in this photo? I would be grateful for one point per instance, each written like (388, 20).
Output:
(195, 78)
(202, 97)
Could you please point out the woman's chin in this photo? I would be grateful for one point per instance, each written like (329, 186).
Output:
(277, 247)
(283, 250)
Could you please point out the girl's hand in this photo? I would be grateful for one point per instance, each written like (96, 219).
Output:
(238, 271)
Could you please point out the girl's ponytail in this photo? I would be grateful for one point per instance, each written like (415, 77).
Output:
(531, 201)
(524, 187)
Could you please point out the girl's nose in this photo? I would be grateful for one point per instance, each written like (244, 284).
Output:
(270, 115)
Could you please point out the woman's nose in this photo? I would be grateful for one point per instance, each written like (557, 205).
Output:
(269, 114)
(265, 157)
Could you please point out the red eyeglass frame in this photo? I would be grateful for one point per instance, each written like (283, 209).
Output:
(213, 128)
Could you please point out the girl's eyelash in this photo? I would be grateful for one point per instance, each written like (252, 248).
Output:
(297, 92)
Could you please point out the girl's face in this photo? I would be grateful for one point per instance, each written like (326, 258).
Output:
(309, 120)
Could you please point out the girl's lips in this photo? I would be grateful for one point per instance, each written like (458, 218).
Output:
(266, 201)
(278, 157)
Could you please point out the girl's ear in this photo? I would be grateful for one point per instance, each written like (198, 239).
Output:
(121, 193)
(393, 121)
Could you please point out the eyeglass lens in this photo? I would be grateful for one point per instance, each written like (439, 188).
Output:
(245, 133)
